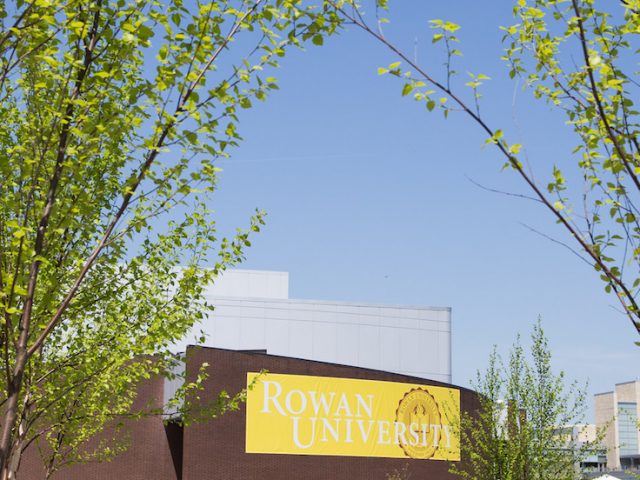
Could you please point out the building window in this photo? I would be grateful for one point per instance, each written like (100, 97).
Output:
(628, 428)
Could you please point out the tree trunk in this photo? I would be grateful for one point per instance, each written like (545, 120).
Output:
(11, 413)
(13, 463)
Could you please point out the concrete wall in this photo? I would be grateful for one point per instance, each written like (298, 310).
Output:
(605, 405)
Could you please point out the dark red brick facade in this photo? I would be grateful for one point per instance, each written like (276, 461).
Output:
(216, 450)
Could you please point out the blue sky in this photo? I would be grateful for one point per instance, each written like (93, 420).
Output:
(369, 198)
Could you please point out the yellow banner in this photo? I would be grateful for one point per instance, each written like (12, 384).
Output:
(298, 414)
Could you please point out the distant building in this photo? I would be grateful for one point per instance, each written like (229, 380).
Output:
(579, 436)
(253, 311)
(618, 412)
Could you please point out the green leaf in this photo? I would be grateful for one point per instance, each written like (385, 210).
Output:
(50, 60)
(515, 148)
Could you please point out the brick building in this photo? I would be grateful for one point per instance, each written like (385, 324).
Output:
(217, 449)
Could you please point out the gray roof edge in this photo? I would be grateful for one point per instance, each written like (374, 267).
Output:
(332, 302)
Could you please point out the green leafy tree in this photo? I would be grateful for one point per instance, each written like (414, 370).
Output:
(113, 112)
(517, 432)
(577, 55)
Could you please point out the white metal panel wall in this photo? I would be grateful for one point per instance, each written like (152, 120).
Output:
(410, 340)
(253, 312)
(252, 283)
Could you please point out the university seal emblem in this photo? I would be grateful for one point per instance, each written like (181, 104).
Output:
(419, 411)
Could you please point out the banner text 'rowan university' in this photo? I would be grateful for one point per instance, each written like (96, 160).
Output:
(299, 414)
